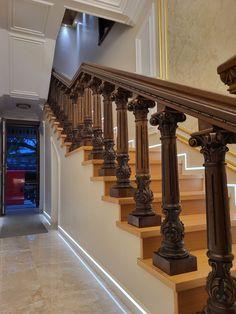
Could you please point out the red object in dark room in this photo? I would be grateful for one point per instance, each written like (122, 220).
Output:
(15, 182)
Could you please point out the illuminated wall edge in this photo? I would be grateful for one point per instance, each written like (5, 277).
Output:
(128, 300)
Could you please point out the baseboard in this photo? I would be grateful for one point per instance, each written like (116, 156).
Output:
(106, 279)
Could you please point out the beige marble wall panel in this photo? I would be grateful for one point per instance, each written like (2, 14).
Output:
(201, 35)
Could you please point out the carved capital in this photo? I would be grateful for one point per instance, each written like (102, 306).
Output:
(213, 143)
(139, 106)
(229, 76)
(121, 96)
(167, 120)
(80, 90)
(106, 89)
(94, 84)
(85, 79)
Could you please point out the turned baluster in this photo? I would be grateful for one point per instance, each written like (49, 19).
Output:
(87, 127)
(109, 156)
(97, 140)
(122, 188)
(221, 285)
(142, 215)
(171, 257)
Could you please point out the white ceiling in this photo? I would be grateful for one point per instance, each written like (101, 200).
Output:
(28, 31)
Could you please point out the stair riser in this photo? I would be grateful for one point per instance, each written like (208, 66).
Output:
(186, 185)
(196, 240)
(153, 155)
(192, 301)
(155, 169)
(189, 207)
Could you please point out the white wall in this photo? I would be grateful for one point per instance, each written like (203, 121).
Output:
(91, 222)
(48, 170)
(80, 45)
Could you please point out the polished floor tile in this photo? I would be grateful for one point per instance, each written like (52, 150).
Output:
(40, 274)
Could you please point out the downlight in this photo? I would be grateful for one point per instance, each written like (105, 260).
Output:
(23, 106)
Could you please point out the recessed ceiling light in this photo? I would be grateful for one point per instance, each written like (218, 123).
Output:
(23, 106)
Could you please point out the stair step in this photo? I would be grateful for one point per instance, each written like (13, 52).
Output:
(191, 202)
(154, 154)
(187, 183)
(155, 166)
(86, 150)
(195, 234)
(189, 287)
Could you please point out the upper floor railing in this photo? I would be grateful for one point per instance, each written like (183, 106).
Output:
(77, 106)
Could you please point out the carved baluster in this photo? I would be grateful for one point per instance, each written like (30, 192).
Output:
(142, 215)
(108, 167)
(87, 127)
(97, 140)
(80, 104)
(122, 188)
(67, 121)
(221, 285)
(75, 114)
(172, 257)
(62, 116)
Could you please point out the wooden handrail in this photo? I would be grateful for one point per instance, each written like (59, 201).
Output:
(215, 109)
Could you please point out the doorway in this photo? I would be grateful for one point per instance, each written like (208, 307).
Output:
(21, 171)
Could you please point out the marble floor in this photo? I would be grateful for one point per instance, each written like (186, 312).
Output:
(40, 274)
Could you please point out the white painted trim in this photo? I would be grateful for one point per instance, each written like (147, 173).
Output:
(44, 166)
(24, 94)
(33, 32)
(129, 300)
(151, 21)
(138, 53)
(152, 37)
(47, 218)
(59, 180)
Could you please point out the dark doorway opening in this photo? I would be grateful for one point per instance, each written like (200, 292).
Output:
(22, 167)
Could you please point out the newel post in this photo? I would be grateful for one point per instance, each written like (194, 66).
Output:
(171, 257)
(142, 215)
(108, 168)
(122, 188)
(97, 140)
(221, 285)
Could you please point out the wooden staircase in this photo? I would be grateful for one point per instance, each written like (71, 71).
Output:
(183, 267)
(189, 288)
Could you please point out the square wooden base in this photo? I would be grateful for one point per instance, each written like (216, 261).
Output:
(142, 221)
(117, 191)
(175, 266)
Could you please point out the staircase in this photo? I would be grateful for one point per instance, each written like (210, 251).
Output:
(188, 286)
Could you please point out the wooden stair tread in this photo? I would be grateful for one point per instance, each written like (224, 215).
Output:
(189, 195)
(192, 223)
(185, 281)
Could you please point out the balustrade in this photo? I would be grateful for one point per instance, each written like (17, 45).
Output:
(72, 103)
